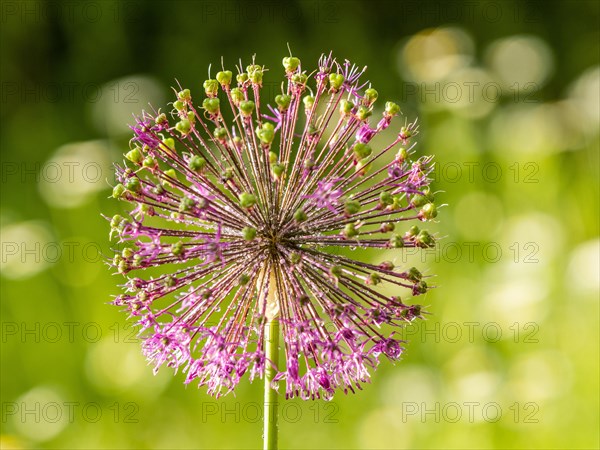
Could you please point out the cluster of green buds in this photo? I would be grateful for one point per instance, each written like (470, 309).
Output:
(420, 238)
(255, 74)
(424, 201)
(277, 169)
(283, 102)
(265, 133)
(390, 202)
(187, 118)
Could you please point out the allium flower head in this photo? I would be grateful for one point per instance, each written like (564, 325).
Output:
(242, 216)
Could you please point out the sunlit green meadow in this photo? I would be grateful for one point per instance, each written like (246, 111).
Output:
(507, 96)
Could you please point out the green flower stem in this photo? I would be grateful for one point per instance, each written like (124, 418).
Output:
(271, 404)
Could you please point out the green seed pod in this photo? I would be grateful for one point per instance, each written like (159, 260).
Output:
(300, 215)
(177, 248)
(387, 265)
(427, 193)
(309, 164)
(336, 80)
(146, 209)
(373, 279)
(405, 133)
(247, 200)
(116, 220)
(224, 77)
(249, 233)
(350, 231)
(170, 281)
(362, 150)
(396, 241)
(117, 259)
(256, 77)
(211, 87)
(418, 200)
(413, 274)
(308, 101)
(220, 134)
(363, 167)
(283, 102)
(184, 95)
(135, 155)
(227, 174)
(402, 155)
(291, 63)
(171, 173)
(211, 105)
(299, 78)
(419, 288)
(277, 170)
(247, 108)
(428, 212)
(118, 192)
(149, 162)
(371, 96)
(252, 68)
(391, 109)
(236, 142)
(184, 127)
(396, 202)
(237, 96)
(123, 267)
(160, 119)
(363, 113)
(133, 184)
(424, 240)
(386, 227)
(351, 207)
(385, 198)
(266, 133)
(186, 204)
(413, 231)
(196, 163)
(346, 107)
(169, 145)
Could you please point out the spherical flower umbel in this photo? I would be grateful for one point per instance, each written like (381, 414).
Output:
(243, 216)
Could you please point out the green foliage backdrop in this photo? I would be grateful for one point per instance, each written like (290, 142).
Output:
(507, 95)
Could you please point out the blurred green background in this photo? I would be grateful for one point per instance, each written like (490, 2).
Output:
(507, 94)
